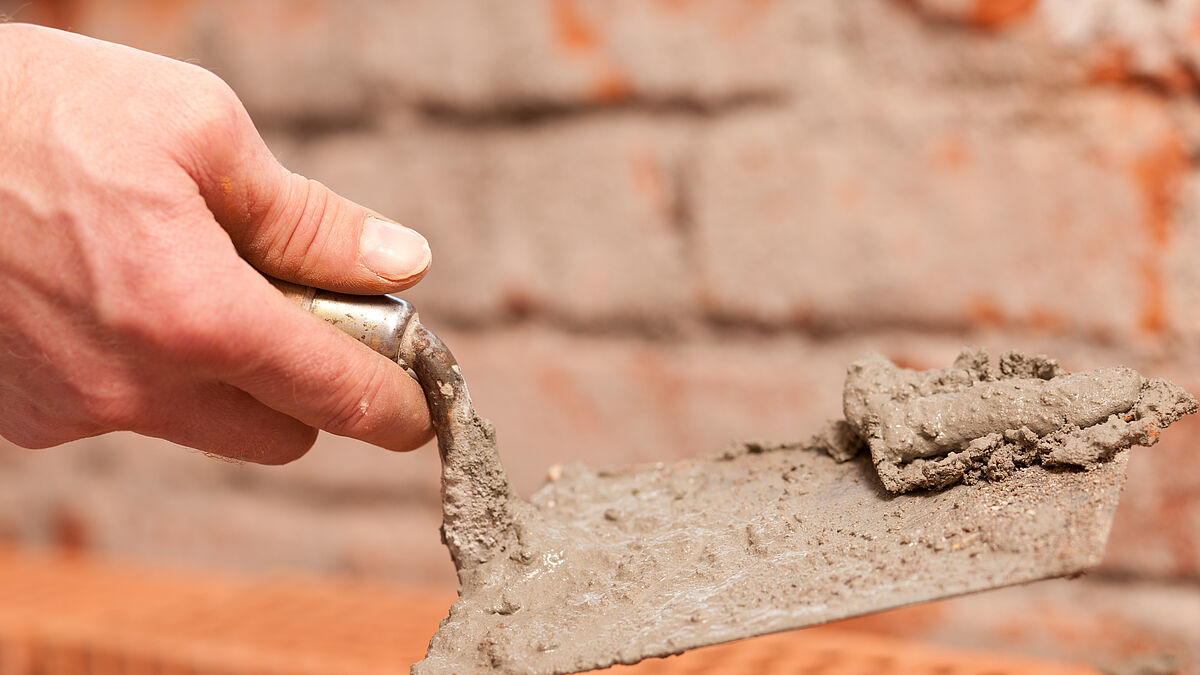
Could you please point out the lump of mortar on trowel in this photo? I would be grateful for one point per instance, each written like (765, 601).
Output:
(930, 429)
(935, 425)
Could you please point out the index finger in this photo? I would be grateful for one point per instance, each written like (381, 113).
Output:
(309, 370)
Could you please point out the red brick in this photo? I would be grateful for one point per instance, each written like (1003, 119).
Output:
(1179, 265)
(582, 221)
(586, 51)
(1133, 43)
(894, 220)
(332, 59)
(982, 14)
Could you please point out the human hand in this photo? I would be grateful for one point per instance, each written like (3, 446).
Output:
(135, 194)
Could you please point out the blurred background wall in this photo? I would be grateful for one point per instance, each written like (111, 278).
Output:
(659, 226)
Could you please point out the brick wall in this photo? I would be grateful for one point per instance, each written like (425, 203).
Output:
(659, 226)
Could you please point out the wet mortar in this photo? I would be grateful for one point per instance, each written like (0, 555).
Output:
(930, 429)
(605, 567)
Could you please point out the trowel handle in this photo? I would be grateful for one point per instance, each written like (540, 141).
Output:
(391, 327)
(381, 322)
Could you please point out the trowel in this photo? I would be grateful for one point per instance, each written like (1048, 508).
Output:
(615, 566)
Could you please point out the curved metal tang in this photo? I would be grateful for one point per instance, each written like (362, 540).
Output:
(475, 519)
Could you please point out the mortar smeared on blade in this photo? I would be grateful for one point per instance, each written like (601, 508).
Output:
(617, 566)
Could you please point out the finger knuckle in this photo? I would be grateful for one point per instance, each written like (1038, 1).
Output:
(303, 208)
(215, 108)
(112, 406)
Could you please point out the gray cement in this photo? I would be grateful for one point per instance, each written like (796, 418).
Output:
(606, 567)
(930, 429)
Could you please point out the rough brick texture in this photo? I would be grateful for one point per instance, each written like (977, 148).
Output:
(354, 53)
(660, 226)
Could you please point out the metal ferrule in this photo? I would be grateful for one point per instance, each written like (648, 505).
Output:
(378, 321)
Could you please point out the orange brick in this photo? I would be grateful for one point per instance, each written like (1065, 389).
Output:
(983, 246)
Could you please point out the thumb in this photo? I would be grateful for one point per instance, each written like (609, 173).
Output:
(297, 229)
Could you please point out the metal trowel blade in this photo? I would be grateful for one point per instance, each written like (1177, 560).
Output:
(656, 560)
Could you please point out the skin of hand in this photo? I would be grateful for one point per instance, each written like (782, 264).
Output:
(136, 201)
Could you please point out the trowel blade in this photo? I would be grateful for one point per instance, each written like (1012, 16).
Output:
(654, 561)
